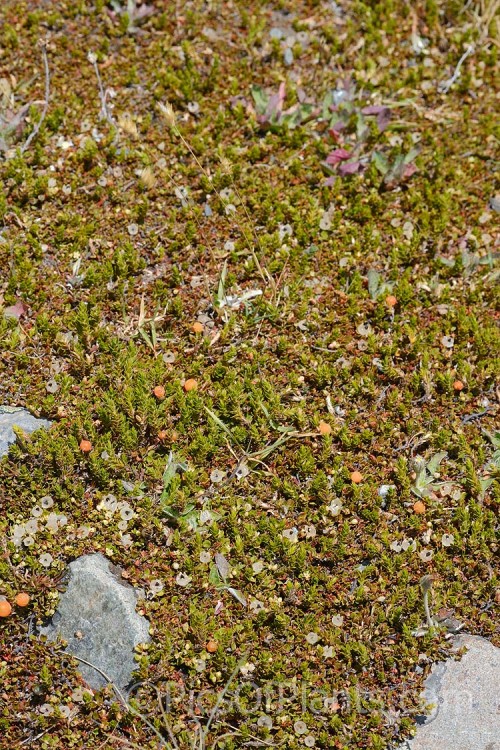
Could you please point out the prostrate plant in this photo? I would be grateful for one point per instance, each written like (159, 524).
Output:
(426, 473)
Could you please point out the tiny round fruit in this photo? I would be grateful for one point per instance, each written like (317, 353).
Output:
(391, 300)
(356, 477)
(212, 647)
(162, 435)
(458, 385)
(22, 599)
(159, 392)
(325, 428)
(85, 446)
(419, 507)
(5, 608)
(190, 385)
(197, 327)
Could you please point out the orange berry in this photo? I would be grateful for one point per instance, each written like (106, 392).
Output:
(458, 385)
(159, 392)
(22, 599)
(190, 385)
(197, 327)
(325, 428)
(162, 435)
(212, 647)
(85, 446)
(391, 300)
(356, 477)
(419, 507)
(5, 608)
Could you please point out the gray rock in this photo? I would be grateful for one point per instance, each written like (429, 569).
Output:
(465, 713)
(11, 416)
(97, 617)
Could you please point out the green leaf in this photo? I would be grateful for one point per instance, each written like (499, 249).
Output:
(434, 462)
(219, 422)
(380, 162)
(214, 577)
(260, 99)
(374, 279)
(237, 595)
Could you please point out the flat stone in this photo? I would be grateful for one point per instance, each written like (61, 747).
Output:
(96, 616)
(16, 416)
(465, 712)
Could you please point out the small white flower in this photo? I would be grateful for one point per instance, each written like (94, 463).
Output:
(312, 638)
(364, 329)
(77, 695)
(396, 546)
(32, 526)
(28, 541)
(291, 534)
(46, 709)
(258, 566)
(36, 511)
(46, 560)
(126, 512)
(328, 652)
(300, 727)
(126, 540)
(265, 721)
(384, 489)
(426, 555)
(335, 506)
(247, 668)
(156, 586)
(426, 536)
(52, 522)
(205, 557)
(447, 540)
(256, 606)
(123, 525)
(109, 502)
(182, 579)
(309, 531)
(217, 476)
(18, 532)
(309, 741)
(408, 544)
(133, 230)
(205, 517)
(64, 711)
(92, 57)
(337, 620)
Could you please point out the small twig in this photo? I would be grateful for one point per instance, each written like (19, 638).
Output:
(39, 124)
(104, 113)
(122, 698)
(475, 415)
(32, 739)
(426, 586)
(446, 85)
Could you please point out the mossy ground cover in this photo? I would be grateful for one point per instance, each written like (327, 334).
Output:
(319, 204)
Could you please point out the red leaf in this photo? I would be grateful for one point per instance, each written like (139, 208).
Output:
(15, 311)
(338, 155)
(350, 167)
(409, 170)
